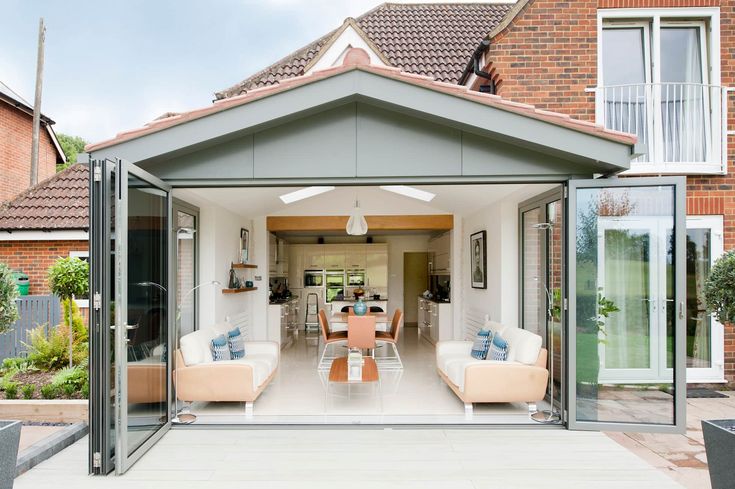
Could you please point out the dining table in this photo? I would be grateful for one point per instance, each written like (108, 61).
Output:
(338, 321)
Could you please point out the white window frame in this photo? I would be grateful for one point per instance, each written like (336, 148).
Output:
(709, 19)
(716, 373)
(81, 303)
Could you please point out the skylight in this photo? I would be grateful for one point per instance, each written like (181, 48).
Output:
(304, 193)
(407, 191)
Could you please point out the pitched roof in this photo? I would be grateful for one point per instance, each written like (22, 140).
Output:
(434, 39)
(58, 203)
(358, 59)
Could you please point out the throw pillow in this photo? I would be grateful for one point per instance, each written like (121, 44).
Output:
(498, 348)
(482, 344)
(220, 350)
(236, 344)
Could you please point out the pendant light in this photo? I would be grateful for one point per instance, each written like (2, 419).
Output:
(356, 224)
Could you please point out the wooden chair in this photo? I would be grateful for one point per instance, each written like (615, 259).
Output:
(361, 332)
(329, 338)
(391, 338)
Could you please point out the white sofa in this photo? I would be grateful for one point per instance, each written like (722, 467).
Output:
(199, 378)
(523, 377)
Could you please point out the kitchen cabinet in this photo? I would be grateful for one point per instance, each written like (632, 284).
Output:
(272, 252)
(439, 253)
(435, 320)
(282, 322)
(314, 257)
(376, 269)
(296, 267)
(277, 256)
(334, 257)
(355, 257)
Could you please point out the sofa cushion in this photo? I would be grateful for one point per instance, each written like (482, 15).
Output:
(523, 346)
(219, 348)
(195, 347)
(236, 344)
(457, 369)
(443, 361)
(498, 348)
(494, 327)
(262, 365)
(481, 344)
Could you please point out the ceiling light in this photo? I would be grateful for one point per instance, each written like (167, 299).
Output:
(357, 224)
(304, 193)
(407, 191)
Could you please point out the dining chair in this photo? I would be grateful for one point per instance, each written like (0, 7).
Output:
(329, 338)
(361, 332)
(391, 338)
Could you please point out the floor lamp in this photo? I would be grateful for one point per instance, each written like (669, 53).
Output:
(548, 415)
(184, 415)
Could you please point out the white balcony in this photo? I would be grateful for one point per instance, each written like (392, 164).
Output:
(682, 127)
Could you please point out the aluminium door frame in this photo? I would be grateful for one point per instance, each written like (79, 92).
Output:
(123, 460)
(679, 379)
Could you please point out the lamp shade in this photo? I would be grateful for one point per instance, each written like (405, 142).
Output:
(357, 224)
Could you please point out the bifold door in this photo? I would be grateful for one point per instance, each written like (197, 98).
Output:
(626, 318)
(130, 323)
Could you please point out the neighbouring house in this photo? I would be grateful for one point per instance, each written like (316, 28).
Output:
(44, 223)
(16, 131)
(481, 143)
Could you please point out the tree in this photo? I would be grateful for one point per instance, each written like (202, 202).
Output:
(718, 289)
(8, 296)
(71, 145)
(67, 278)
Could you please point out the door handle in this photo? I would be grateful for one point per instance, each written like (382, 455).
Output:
(127, 326)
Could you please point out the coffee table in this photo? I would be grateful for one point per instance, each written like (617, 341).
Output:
(338, 375)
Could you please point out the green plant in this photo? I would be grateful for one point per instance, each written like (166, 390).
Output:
(75, 377)
(719, 289)
(69, 389)
(11, 390)
(28, 390)
(68, 277)
(605, 307)
(48, 391)
(8, 296)
(85, 390)
(50, 351)
(17, 365)
(81, 333)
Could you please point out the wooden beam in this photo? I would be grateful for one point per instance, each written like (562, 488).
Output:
(428, 222)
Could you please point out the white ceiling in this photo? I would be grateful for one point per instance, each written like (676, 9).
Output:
(463, 200)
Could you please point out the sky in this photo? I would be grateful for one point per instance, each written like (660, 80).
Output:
(113, 65)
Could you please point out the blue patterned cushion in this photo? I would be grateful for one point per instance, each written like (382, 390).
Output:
(482, 344)
(236, 344)
(498, 348)
(220, 350)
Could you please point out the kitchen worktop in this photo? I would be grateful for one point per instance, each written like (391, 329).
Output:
(435, 301)
(364, 300)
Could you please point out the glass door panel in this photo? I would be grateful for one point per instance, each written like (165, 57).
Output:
(554, 302)
(626, 318)
(532, 272)
(186, 240)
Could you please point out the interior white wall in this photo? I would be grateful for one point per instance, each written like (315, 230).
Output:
(397, 246)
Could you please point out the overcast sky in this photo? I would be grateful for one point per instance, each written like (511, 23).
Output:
(113, 65)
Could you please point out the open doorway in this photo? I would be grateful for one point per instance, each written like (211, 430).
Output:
(415, 283)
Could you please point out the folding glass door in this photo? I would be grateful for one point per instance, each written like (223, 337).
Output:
(626, 276)
(130, 340)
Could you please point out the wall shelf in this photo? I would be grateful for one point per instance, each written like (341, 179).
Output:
(239, 291)
(244, 265)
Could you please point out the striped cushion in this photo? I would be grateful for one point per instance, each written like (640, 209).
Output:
(220, 350)
(236, 344)
(498, 348)
(482, 344)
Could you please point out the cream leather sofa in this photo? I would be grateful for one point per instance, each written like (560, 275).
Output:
(522, 377)
(199, 378)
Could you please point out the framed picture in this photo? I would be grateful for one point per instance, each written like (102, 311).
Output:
(244, 242)
(478, 257)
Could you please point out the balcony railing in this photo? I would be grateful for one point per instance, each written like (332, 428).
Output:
(682, 127)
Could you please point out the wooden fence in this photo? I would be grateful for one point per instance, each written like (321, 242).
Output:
(34, 310)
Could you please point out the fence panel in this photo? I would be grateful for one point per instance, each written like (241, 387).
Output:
(34, 310)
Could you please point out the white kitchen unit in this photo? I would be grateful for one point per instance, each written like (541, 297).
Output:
(377, 266)
(313, 257)
(334, 257)
(439, 254)
(282, 322)
(296, 267)
(435, 320)
(277, 256)
(355, 258)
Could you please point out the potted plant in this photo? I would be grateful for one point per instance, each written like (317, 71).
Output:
(9, 430)
(69, 277)
(719, 435)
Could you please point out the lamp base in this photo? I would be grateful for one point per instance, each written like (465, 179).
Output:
(184, 418)
(546, 416)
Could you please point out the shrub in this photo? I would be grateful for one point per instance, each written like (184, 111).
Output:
(11, 390)
(51, 351)
(17, 365)
(8, 296)
(81, 332)
(85, 390)
(28, 391)
(48, 391)
(718, 289)
(75, 377)
(68, 277)
(69, 389)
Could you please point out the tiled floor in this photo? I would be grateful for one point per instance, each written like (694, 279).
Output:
(414, 395)
(366, 458)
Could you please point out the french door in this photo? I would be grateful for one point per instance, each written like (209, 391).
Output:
(130, 336)
(626, 313)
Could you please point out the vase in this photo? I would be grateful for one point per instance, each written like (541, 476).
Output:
(719, 441)
(360, 307)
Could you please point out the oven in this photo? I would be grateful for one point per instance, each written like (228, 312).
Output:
(355, 278)
(314, 278)
(335, 284)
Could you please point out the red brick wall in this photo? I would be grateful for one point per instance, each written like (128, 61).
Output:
(35, 257)
(547, 57)
(16, 131)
